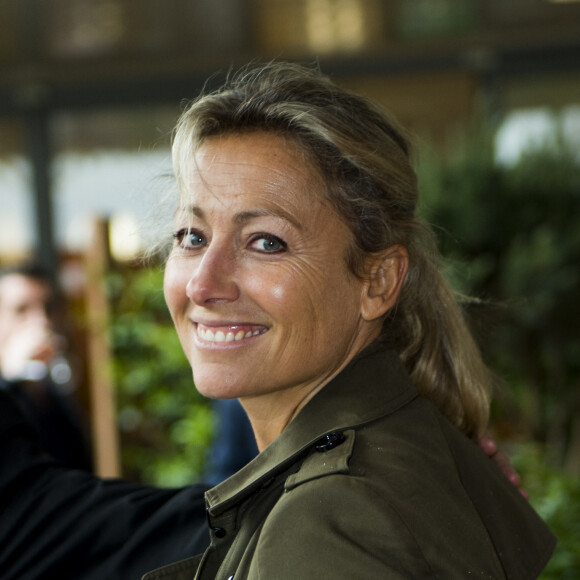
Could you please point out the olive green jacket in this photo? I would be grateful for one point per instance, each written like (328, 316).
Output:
(368, 481)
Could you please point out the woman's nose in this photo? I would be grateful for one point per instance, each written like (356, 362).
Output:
(213, 279)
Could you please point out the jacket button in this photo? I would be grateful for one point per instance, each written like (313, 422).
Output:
(329, 441)
(219, 532)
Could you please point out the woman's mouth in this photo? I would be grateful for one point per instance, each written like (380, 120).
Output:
(228, 333)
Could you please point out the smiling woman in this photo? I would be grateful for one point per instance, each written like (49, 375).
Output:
(301, 283)
(263, 262)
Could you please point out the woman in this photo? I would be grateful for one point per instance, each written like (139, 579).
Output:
(301, 283)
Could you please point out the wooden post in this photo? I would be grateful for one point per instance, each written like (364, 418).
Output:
(103, 416)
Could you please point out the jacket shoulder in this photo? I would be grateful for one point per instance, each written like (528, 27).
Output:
(352, 509)
(416, 494)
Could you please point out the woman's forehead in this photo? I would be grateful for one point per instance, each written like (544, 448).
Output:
(277, 152)
(258, 166)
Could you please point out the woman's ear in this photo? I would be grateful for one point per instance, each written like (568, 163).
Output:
(385, 273)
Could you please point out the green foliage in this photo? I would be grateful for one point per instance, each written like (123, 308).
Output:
(556, 497)
(165, 424)
(511, 235)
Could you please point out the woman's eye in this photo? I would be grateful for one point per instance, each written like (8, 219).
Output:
(188, 238)
(268, 244)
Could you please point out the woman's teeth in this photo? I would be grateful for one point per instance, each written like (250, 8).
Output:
(226, 336)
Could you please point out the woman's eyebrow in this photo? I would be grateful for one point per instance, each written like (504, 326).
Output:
(246, 216)
(243, 217)
(187, 212)
(189, 209)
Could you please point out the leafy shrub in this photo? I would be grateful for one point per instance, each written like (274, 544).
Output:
(165, 424)
(556, 497)
(511, 236)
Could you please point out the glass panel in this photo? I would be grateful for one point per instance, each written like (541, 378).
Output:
(85, 27)
(319, 26)
(114, 165)
(437, 18)
(9, 36)
(135, 28)
(528, 129)
(17, 235)
(523, 13)
(539, 110)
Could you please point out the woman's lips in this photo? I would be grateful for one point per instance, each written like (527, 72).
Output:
(228, 333)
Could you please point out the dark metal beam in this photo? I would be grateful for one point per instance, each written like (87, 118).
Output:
(39, 152)
(91, 86)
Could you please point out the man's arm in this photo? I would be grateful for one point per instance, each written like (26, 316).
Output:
(62, 523)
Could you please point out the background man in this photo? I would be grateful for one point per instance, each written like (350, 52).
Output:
(33, 368)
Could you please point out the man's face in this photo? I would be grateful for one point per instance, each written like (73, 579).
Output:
(23, 301)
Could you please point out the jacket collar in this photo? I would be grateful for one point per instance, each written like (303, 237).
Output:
(373, 385)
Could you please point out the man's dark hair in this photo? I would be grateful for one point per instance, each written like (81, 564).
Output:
(37, 272)
(29, 270)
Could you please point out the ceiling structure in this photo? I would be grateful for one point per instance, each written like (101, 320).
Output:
(64, 55)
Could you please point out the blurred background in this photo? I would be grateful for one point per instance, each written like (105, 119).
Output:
(490, 91)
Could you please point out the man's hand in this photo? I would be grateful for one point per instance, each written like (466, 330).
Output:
(502, 460)
(31, 343)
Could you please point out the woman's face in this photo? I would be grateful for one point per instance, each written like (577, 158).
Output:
(257, 283)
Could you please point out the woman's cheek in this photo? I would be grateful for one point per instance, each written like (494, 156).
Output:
(278, 289)
(175, 285)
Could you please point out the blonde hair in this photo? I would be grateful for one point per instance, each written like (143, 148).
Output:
(366, 162)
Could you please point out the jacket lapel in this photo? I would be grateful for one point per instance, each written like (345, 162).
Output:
(182, 570)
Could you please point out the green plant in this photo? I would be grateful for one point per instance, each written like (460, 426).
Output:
(556, 497)
(510, 235)
(165, 424)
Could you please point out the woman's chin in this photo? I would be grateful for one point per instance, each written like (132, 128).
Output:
(222, 386)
